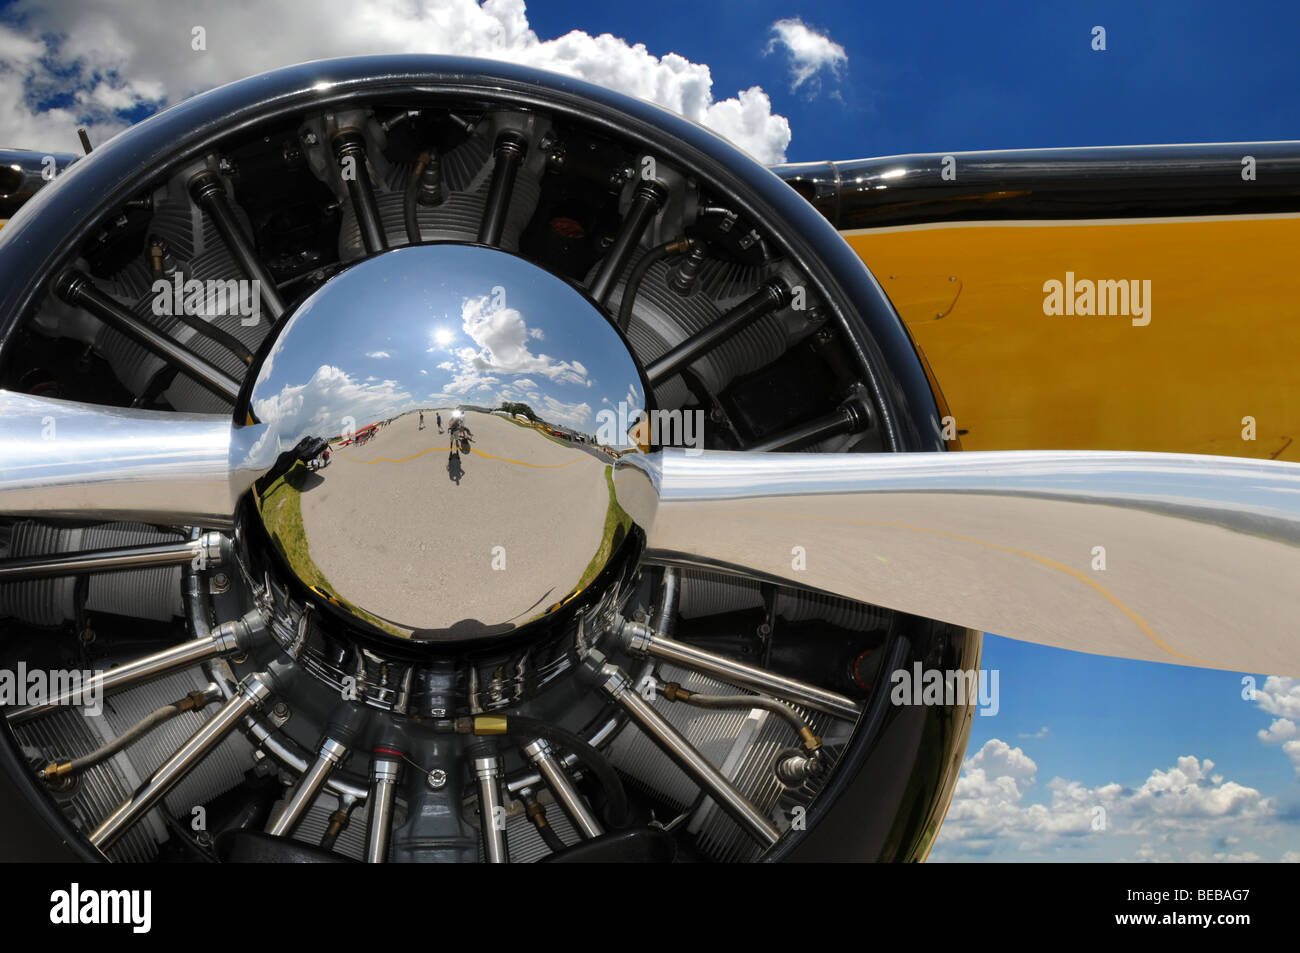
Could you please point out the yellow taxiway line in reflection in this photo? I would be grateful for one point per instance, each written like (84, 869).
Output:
(485, 456)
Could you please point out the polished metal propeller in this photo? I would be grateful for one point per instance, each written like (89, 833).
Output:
(1176, 558)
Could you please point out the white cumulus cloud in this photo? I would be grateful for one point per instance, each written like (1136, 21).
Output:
(575, 415)
(811, 54)
(502, 336)
(1182, 812)
(1281, 697)
(64, 62)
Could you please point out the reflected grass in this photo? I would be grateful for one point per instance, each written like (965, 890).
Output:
(617, 525)
(282, 516)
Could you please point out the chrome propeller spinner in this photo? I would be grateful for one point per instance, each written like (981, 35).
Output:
(435, 536)
(440, 516)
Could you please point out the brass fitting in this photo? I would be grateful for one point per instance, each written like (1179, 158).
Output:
(338, 821)
(56, 769)
(490, 724)
(194, 701)
(674, 692)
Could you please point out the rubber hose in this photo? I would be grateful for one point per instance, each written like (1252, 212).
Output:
(658, 253)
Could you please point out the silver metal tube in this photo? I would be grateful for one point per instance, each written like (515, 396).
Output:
(539, 752)
(385, 772)
(293, 758)
(530, 779)
(261, 734)
(619, 687)
(221, 642)
(206, 549)
(253, 693)
(640, 640)
(665, 621)
(487, 770)
(331, 754)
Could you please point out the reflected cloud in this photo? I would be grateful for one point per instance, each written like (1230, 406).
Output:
(331, 401)
(575, 415)
(502, 336)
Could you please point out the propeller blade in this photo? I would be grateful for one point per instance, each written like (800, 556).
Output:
(1188, 559)
(59, 458)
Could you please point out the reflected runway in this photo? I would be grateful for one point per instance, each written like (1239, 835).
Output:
(398, 543)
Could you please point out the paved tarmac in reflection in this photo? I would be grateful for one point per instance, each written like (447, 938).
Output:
(419, 524)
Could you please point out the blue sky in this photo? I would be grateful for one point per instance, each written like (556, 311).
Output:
(943, 76)
(1073, 732)
(1110, 722)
